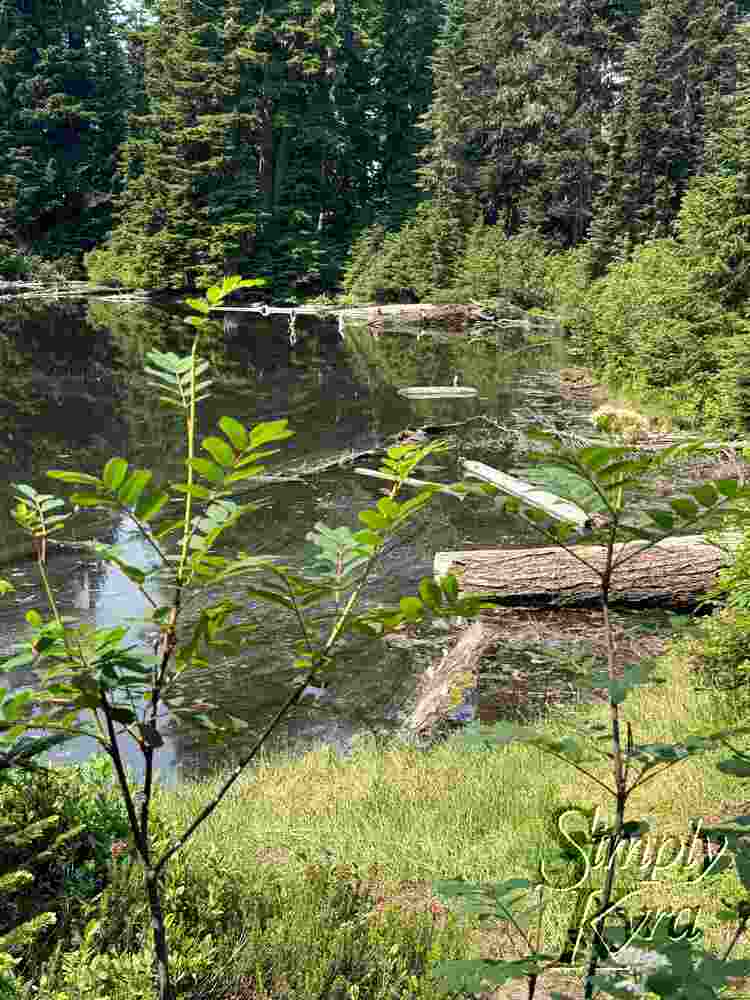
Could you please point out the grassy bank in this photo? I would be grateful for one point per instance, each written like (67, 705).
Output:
(314, 877)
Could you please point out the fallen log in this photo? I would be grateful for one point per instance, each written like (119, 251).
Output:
(443, 687)
(561, 510)
(675, 572)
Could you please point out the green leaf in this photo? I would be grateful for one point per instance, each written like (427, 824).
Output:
(706, 495)
(91, 500)
(209, 470)
(114, 473)
(196, 490)
(468, 975)
(13, 707)
(273, 430)
(6, 587)
(735, 766)
(373, 520)
(237, 477)
(201, 323)
(133, 486)
(219, 450)
(727, 487)
(430, 593)
(449, 585)
(412, 607)
(662, 518)
(684, 507)
(214, 294)
(200, 305)
(150, 504)
(78, 478)
(598, 458)
(34, 619)
(235, 432)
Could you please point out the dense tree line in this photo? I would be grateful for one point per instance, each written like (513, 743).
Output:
(293, 138)
(63, 103)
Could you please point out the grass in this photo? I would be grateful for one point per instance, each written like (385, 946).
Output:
(313, 878)
(453, 812)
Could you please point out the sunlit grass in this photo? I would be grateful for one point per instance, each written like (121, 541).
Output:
(457, 812)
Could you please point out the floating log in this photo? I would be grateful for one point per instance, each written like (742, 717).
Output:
(674, 572)
(438, 392)
(561, 510)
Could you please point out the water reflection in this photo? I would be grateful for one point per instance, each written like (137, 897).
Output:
(73, 393)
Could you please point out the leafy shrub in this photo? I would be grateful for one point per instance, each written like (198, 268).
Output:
(57, 829)
(714, 227)
(567, 287)
(650, 330)
(16, 266)
(315, 932)
(13, 265)
(106, 265)
(409, 265)
(95, 804)
(720, 652)
(494, 265)
(362, 258)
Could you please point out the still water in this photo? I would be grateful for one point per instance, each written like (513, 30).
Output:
(73, 394)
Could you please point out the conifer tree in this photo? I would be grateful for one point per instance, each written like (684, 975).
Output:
(520, 93)
(678, 77)
(176, 224)
(62, 116)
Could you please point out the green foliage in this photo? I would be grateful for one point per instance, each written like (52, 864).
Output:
(493, 266)
(684, 57)
(568, 288)
(651, 329)
(714, 226)
(515, 123)
(308, 931)
(616, 962)
(362, 261)
(63, 83)
(410, 265)
(719, 649)
(262, 141)
(58, 828)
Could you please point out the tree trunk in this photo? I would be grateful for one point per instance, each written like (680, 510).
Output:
(161, 952)
(675, 572)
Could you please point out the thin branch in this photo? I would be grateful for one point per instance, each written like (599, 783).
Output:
(578, 767)
(207, 810)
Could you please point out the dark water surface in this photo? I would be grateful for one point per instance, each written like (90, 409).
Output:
(73, 394)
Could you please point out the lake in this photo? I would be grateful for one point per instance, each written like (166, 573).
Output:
(73, 393)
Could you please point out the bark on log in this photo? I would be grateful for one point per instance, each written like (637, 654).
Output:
(675, 572)
(443, 687)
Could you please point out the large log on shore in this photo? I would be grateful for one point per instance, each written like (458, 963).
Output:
(676, 572)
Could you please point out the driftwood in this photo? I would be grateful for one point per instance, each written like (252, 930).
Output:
(561, 510)
(438, 392)
(674, 573)
(442, 687)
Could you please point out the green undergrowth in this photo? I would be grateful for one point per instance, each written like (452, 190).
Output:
(314, 877)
